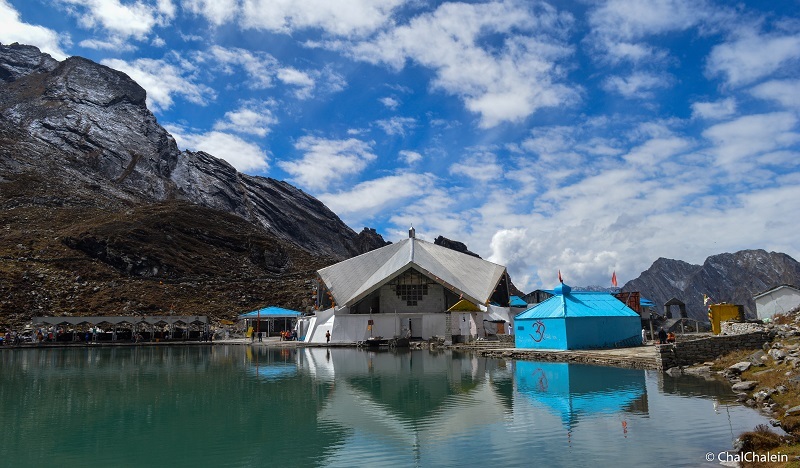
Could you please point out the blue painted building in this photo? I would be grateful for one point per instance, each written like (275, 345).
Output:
(578, 320)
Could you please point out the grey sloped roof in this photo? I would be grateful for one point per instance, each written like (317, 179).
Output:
(349, 281)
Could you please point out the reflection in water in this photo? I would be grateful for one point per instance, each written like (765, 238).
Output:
(573, 390)
(242, 406)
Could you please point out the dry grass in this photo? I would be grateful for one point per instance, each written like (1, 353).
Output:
(782, 319)
(730, 359)
(760, 439)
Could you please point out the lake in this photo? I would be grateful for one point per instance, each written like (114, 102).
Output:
(243, 406)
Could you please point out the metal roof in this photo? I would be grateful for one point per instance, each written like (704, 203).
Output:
(764, 293)
(353, 279)
(121, 319)
(516, 301)
(271, 312)
(578, 304)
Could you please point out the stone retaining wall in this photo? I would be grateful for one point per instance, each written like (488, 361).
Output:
(686, 353)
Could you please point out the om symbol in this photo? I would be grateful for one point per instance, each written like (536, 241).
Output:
(538, 331)
(541, 379)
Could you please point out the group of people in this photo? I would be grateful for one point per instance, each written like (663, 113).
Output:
(664, 337)
(10, 338)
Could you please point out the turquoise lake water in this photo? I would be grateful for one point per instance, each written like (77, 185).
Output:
(242, 406)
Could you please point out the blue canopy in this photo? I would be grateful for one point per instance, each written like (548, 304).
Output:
(517, 301)
(645, 302)
(271, 312)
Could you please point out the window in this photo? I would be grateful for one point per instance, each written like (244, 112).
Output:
(411, 287)
(411, 293)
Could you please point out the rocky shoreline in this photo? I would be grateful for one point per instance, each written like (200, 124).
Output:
(767, 379)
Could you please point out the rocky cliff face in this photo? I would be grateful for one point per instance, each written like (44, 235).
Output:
(729, 277)
(102, 214)
(85, 122)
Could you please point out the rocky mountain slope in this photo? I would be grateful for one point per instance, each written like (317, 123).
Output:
(102, 214)
(92, 124)
(729, 277)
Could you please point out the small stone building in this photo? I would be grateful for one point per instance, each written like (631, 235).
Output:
(778, 300)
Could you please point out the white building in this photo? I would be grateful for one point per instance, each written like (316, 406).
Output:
(778, 300)
(405, 290)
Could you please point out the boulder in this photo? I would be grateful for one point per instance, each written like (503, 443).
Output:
(740, 367)
(699, 370)
(744, 386)
(777, 354)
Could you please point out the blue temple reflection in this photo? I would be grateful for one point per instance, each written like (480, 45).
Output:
(572, 391)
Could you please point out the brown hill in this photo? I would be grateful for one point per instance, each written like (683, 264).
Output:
(69, 257)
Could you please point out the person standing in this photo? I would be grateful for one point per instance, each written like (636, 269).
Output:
(644, 336)
(662, 336)
(328, 336)
(509, 329)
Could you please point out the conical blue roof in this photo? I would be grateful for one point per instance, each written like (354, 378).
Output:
(566, 303)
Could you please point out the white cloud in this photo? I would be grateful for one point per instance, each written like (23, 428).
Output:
(481, 167)
(115, 44)
(260, 66)
(752, 57)
(501, 83)
(163, 80)
(303, 82)
(217, 12)
(654, 153)
(396, 125)
(241, 154)
(371, 197)
(325, 163)
(714, 110)
(158, 42)
(751, 135)
(632, 19)
(338, 17)
(618, 26)
(410, 157)
(626, 238)
(785, 92)
(252, 118)
(638, 85)
(135, 20)
(15, 30)
(263, 69)
(389, 102)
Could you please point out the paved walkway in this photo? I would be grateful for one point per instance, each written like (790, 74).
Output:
(639, 357)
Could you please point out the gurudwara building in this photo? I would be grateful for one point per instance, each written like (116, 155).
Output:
(412, 289)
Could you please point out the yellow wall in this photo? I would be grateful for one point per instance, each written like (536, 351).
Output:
(720, 312)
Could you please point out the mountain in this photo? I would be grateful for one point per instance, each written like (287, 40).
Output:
(93, 125)
(729, 277)
(102, 213)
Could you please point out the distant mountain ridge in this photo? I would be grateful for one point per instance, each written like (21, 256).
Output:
(728, 277)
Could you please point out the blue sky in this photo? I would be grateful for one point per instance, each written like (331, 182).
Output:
(583, 136)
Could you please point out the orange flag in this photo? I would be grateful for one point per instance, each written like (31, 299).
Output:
(614, 279)
(559, 277)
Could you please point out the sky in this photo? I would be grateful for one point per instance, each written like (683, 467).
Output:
(586, 137)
